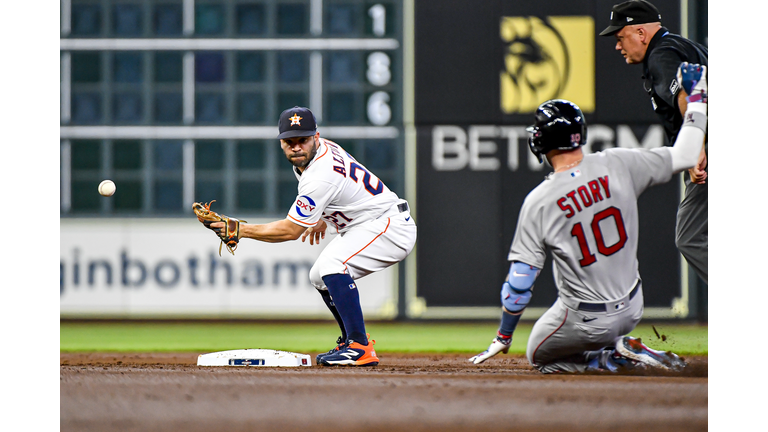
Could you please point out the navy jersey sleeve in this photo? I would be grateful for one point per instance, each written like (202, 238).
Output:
(663, 65)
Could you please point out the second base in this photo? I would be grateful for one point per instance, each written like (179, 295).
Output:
(254, 357)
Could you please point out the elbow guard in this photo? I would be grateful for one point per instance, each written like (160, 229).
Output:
(516, 291)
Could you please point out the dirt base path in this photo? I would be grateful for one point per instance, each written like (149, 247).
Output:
(413, 392)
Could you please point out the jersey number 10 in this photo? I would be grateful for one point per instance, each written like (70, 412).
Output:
(578, 231)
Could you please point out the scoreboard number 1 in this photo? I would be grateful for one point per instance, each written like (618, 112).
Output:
(378, 15)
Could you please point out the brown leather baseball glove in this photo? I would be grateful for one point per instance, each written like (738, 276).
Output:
(229, 235)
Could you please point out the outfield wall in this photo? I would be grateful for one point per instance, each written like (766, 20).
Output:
(170, 268)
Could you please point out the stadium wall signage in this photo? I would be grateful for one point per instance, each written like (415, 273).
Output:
(115, 268)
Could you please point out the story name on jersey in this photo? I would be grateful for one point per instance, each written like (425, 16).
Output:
(587, 194)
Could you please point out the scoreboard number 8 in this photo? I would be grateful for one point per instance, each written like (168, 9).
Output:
(378, 69)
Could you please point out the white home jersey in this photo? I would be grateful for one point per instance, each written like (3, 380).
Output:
(587, 216)
(339, 189)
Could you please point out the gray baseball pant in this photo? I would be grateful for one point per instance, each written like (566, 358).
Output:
(565, 339)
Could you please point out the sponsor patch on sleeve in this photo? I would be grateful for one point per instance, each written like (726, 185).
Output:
(305, 206)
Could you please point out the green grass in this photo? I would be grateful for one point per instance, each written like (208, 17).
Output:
(684, 339)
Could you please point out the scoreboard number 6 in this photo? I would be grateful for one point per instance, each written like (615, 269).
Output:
(379, 112)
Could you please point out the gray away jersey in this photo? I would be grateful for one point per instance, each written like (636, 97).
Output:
(587, 216)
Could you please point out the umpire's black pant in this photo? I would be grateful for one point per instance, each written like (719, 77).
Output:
(692, 238)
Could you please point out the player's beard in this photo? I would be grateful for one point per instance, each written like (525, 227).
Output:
(307, 156)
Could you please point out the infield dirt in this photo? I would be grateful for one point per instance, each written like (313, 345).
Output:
(409, 392)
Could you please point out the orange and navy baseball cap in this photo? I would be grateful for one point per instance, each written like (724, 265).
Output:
(296, 122)
(630, 13)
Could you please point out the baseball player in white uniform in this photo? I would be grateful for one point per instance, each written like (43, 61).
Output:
(585, 213)
(375, 228)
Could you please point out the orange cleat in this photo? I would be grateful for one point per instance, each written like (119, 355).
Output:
(352, 354)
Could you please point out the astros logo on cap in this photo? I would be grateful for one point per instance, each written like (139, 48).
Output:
(295, 120)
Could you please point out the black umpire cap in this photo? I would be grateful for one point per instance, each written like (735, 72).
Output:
(630, 13)
(296, 122)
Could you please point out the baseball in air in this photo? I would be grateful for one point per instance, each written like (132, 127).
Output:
(107, 188)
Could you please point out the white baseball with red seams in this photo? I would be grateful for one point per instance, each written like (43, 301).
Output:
(374, 232)
(107, 188)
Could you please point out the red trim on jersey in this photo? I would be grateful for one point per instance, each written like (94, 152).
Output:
(533, 357)
(312, 162)
(302, 223)
(369, 243)
(324, 153)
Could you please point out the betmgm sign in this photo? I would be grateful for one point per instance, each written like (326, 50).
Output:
(547, 58)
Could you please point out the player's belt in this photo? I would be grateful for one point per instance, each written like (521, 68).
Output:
(600, 307)
(395, 209)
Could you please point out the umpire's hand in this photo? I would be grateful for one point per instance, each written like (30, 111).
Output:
(697, 173)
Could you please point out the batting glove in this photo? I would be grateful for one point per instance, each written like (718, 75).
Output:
(496, 347)
(693, 78)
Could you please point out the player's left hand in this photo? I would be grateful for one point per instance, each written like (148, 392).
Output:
(496, 347)
(315, 233)
(693, 78)
(697, 173)
(227, 228)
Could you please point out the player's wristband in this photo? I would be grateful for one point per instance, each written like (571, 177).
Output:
(695, 119)
(699, 97)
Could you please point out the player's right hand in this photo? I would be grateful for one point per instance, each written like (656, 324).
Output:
(315, 233)
(496, 347)
(693, 78)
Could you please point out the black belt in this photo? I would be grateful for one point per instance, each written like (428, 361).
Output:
(402, 207)
(600, 307)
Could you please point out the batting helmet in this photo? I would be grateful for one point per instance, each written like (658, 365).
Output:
(559, 125)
